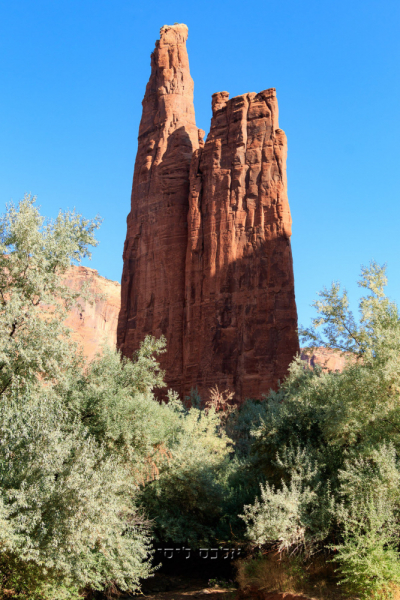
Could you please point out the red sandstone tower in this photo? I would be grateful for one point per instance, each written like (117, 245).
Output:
(207, 257)
(153, 279)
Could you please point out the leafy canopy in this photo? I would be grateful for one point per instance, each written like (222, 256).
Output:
(34, 254)
(329, 444)
(68, 510)
(67, 506)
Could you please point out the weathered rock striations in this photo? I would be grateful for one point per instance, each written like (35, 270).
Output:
(207, 258)
(153, 279)
(240, 315)
(95, 323)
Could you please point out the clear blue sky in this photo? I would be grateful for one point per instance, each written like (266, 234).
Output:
(73, 75)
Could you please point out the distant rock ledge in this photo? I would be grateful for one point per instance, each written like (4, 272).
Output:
(95, 324)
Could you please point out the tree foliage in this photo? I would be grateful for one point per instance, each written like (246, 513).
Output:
(187, 493)
(113, 398)
(68, 510)
(87, 454)
(341, 430)
(34, 254)
(86, 450)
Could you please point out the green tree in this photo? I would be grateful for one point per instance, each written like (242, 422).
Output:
(113, 396)
(366, 398)
(340, 425)
(68, 510)
(34, 254)
(368, 515)
(67, 507)
(186, 494)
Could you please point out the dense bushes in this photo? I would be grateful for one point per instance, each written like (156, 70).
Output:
(328, 446)
(68, 514)
(69, 518)
(86, 452)
(34, 254)
(186, 497)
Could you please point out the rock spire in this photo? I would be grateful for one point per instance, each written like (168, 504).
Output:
(240, 311)
(153, 279)
(207, 257)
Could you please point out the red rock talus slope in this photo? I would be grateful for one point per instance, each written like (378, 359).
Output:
(153, 280)
(96, 324)
(241, 316)
(209, 264)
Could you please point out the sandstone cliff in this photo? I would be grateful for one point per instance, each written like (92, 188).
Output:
(330, 360)
(96, 324)
(207, 257)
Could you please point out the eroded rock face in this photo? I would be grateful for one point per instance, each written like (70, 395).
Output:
(329, 360)
(240, 315)
(96, 324)
(207, 257)
(153, 280)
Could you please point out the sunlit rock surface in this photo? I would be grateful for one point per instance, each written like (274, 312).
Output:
(207, 256)
(96, 324)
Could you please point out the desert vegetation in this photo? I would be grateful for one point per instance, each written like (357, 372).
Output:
(328, 446)
(93, 469)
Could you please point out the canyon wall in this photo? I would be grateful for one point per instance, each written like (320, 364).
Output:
(329, 360)
(207, 257)
(93, 324)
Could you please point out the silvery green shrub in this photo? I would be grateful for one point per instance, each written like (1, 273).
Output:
(291, 515)
(367, 512)
(34, 254)
(67, 510)
(185, 499)
(347, 424)
(67, 502)
(113, 397)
